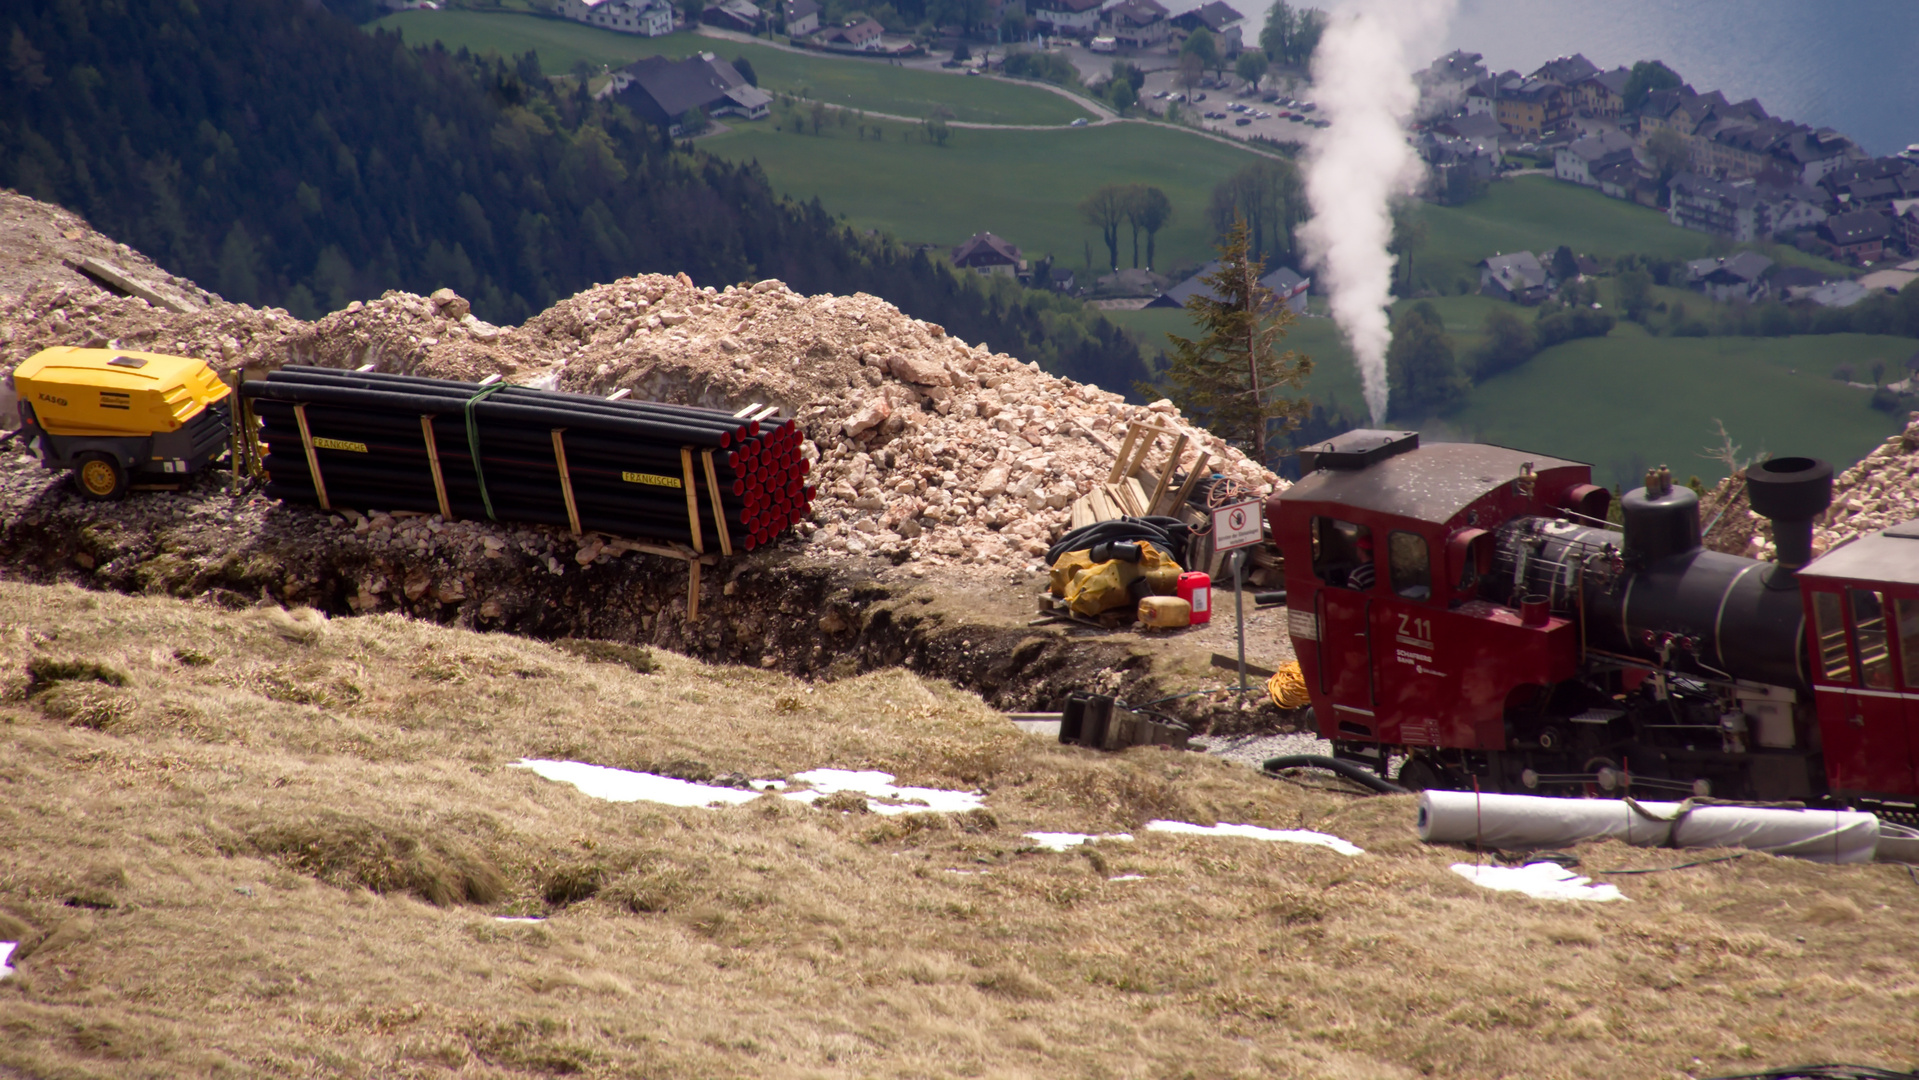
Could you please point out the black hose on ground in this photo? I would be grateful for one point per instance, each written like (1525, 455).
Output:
(1364, 777)
(1166, 533)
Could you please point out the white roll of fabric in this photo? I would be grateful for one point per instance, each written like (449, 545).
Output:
(1530, 821)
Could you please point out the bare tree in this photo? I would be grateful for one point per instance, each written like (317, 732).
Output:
(1105, 209)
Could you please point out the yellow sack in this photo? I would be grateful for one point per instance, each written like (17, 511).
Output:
(1102, 588)
(1069, 566)
(1287, 687)
(1090, 588)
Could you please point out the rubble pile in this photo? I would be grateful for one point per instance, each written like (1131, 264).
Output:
(1881, 491)
(921, 445)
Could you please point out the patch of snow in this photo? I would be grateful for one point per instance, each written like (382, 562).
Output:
(953, 870)
(1255, 832)
(878, 786)
(1128, 877)
(1060, 841)
(6, 950)
(518, 918)
(620, 785)
(1540, 880)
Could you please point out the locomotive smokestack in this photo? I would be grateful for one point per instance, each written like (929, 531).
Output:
(1792, 492)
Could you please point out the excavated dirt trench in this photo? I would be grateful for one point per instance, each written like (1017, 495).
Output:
(777, 608)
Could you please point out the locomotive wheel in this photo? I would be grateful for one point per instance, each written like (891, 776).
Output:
(100, 477)
(1418, 774)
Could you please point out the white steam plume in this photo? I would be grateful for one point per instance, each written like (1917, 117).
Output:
(1363, 83)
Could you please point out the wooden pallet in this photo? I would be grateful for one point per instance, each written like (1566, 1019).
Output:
(1133, 490)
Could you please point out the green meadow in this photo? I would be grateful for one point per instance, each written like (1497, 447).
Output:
(872, 85)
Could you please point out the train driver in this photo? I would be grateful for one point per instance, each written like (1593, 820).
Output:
(1343, 553)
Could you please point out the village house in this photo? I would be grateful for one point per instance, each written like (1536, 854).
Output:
(1711, 206)
(1581, 161)
(859, 35)
(1567, 70)
(651, 18)
(1905, 219)
(742, 16)
(1137, 24)
(1857, 236)
(1449, 78)
(1602, 94)
(1737, 278)
(1290, 289)
(1530, 108)
(1794, 282)
(802, 17)
(1482, 97)
(984, 253)
(1219, 19)
(669, 93)
(1075, 18)
(1520, 278)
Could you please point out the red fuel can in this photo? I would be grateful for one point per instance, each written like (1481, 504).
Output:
(1196, 589)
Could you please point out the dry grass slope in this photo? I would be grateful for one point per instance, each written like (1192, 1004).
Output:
(278, 849)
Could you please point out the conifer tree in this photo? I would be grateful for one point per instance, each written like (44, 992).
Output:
(1232, 375)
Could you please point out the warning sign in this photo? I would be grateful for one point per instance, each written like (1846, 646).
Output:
(1236, 526)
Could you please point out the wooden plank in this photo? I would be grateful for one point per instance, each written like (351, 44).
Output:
(1082, 513)
(313, 459)
(433, 461)
(692, 487)
(692, 590)
(1231, 663)
(1166, 475)
(719, 511)
(1125, 451)
(1192, 480)
(1149, 439)
(566, 482)
(1117, 495)
(1138, 493)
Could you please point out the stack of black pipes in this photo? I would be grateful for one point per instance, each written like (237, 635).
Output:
(627, 464)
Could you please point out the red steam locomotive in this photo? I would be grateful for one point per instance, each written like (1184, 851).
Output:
(1469, 609)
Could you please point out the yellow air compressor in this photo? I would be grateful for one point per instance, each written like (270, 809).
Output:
(118, 418)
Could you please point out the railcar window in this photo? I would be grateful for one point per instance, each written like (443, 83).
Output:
(1908, 612)
(1831, 624)
(1411, 566)
(1869, 635)
(1342, 553)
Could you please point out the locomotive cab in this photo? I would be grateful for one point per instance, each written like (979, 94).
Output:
(1396, 640)
(1862, 617)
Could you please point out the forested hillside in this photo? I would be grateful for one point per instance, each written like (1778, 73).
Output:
(273, 151)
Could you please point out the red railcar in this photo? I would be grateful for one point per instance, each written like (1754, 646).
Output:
(1468, 609)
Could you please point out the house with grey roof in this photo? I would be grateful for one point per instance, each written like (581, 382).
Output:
(1290, 289)
(669, 93)
(1220, 19)
(1712, 206)
(1519, 277)
(1580, 161)
(741, 16)
(1736, 277)
(649, 18)
(802, 17)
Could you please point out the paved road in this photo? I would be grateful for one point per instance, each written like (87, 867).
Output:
(1099, 114)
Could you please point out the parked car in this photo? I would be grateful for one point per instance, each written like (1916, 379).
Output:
(1242, 121)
